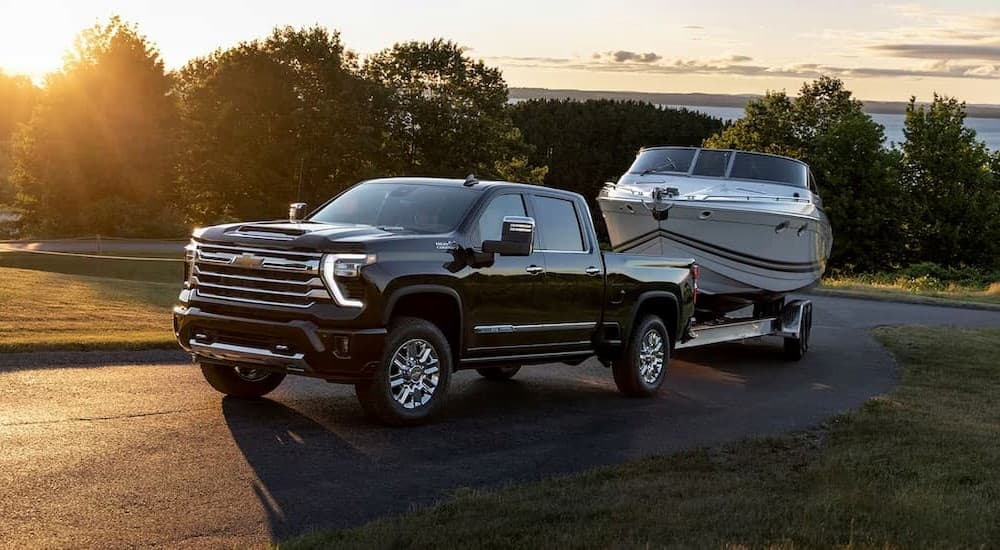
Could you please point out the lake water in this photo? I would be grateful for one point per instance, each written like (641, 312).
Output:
(987, 129)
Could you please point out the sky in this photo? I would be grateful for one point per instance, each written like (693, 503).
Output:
(882, 50)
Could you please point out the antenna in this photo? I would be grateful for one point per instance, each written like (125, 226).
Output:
(470, 180)
(298, 192)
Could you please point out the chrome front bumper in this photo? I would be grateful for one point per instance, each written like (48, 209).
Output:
(244, 354)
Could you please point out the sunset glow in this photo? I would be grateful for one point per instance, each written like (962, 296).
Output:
(883, 51)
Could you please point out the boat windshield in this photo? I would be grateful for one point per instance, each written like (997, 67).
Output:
(752, 166)
(666, 159)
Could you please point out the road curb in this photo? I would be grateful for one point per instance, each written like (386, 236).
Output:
(919, 300)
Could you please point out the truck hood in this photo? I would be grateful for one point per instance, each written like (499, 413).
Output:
(325, 237)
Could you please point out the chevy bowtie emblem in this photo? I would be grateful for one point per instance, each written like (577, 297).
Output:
(247, 260)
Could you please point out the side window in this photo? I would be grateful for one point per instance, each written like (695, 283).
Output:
(558, 225)
(490, 222)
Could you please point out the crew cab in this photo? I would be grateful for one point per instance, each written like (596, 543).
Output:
(396, 283)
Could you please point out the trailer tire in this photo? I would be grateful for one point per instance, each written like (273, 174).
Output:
(641, 371)
(796, 348)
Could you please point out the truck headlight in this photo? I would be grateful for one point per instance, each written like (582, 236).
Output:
(190, 250)
(344, 266)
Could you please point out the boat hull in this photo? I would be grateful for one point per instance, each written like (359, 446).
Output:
(747, 251)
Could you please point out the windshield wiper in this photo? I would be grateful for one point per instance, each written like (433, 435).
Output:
(663, 167)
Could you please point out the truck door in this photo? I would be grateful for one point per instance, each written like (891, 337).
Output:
(570, 295)
(500, 298)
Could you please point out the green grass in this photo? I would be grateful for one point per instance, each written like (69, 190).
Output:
(918, 468)
(40, 310)
(863, 287)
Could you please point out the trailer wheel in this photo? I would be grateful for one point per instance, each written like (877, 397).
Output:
(796, 348)
(246, 382)
(641, 371)
(411, 381)
(498, 373)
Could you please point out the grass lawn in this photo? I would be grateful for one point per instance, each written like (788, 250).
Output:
(860, 286)
(918, 468)
(41, 310)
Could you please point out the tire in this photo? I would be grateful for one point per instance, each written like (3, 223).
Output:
(498, 373)
(796, 348)
(395, 396)
(244, 382)
(638, 374)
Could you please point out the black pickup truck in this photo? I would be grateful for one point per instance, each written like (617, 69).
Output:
(396, 283)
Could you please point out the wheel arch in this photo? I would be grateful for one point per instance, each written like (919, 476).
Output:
(661, 303)
(437, 304)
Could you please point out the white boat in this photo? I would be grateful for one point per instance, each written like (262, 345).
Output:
(753, 222)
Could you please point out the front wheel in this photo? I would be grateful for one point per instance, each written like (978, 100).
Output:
(241, 381)
(411, 380)
(641, 371)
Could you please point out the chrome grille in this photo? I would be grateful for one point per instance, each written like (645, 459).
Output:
(259, 276)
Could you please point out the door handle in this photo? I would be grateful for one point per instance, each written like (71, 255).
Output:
(593, 271)
(534, 269)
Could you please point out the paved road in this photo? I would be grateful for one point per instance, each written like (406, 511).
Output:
(112, 454)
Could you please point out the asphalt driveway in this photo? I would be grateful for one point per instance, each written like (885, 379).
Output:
(108, 449)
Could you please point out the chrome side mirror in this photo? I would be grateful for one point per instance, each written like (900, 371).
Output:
(517, 237)
(295, 211)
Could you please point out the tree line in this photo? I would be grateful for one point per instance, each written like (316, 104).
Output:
(115, 144)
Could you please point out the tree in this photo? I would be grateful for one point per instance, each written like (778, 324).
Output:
(98, 154)
(18, 96)
(951, 180)
(446, 114)
(272, 121)
(587, 143)
(827, 128)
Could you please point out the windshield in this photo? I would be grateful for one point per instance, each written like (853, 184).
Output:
(415, 207)
(750, 166)
(667, 159)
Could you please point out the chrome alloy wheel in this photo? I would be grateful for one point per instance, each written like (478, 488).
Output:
(251, 374)
(651, 355)
(414, 373)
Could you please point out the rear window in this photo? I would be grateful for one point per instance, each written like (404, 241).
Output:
(558, 225)
(750, 166)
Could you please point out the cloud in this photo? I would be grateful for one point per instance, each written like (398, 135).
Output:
(694, 27)
(982, 52)
(736, 65)
(625, 56)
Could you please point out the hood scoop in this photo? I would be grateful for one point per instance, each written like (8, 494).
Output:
(271, 231)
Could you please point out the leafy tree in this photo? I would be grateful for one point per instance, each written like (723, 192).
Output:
(446, 113)
(271, 121)
(827, 128)
(951, 179)
(18, 96)
(98, 154)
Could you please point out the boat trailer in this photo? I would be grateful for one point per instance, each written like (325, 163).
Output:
(793, 323)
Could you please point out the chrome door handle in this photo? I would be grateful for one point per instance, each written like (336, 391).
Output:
(593, 271)
(534, 269)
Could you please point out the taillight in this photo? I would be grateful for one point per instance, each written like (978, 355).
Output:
(694, 278)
